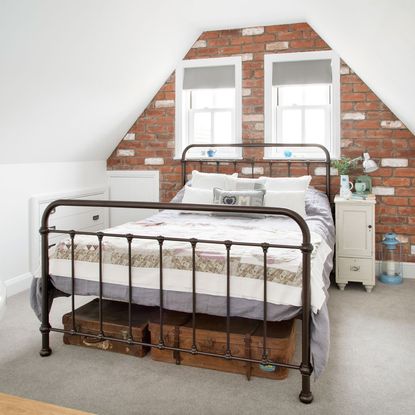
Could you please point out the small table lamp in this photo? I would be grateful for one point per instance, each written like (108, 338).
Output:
(369, 166)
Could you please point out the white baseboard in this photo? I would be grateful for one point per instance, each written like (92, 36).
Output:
(408, 269)
(18, 284)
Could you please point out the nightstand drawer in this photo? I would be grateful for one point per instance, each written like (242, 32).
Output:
(355, 269)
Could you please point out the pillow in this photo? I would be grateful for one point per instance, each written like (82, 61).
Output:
(293, 200)
(211, 180)
(195, 195)
(287, 183)
(239, 183)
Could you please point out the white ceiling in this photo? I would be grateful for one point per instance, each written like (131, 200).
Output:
(74, 75)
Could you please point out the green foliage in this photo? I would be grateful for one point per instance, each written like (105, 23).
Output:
(343, 165)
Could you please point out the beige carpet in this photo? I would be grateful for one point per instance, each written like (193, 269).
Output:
(371, 368)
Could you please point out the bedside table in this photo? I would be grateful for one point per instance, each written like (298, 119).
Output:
(355, 242)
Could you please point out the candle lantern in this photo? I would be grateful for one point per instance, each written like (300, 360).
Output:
(391, 265)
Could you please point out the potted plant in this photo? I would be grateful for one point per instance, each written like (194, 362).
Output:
(343, 166)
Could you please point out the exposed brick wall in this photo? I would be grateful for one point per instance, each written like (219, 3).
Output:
(366, 123)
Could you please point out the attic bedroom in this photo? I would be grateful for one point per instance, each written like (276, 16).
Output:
(207, 208)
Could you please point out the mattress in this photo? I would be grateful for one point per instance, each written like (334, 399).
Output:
(284, 268)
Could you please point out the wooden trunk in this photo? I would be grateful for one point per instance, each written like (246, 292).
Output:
(245, 341)
(115, 324)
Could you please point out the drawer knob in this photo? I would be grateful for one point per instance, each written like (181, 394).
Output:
(370, 227)
(95, 217)
(354, 268)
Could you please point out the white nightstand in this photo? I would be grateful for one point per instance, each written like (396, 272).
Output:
(355, 242)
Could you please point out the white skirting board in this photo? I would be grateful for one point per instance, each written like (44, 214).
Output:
(18, 284)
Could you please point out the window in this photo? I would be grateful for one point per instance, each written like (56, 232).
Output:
(302, 102)
(208, 106)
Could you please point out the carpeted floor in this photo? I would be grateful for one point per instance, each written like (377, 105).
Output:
(371, 368)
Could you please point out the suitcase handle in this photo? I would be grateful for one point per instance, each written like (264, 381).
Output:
(98, 344)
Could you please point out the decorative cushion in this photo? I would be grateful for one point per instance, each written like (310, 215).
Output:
(280, 184)
(241, 183)
(211, 180)
(294, 200)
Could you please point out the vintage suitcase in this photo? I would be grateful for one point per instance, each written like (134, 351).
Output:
(246, 341)
(115, 324)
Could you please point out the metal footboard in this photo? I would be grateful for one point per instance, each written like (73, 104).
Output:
(305, 367)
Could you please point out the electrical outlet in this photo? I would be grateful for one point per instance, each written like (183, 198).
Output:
(412, 249)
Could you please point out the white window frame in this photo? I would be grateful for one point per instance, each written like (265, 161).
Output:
(181, 116)
(269, 98)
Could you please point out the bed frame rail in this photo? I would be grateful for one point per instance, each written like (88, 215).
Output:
(305, 367)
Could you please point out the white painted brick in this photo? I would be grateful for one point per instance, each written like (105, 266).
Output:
(259, 126)
(199, 44)
(383, 191)
(247, 57)
(346, 142)
(253, 117)
(252, 31)
(276, 46)
(394, 162)
(392, 124)
(129, 137)
(353, 116)
(344, 70)
(246, 92)
(164, 103)
(403, 239)
(125, 153)
(171, 144)
(321, 171)
(154, 161)
(247, 171)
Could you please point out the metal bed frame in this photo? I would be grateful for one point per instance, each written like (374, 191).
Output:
(305, 367)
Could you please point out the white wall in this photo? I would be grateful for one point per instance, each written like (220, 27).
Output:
(18, 183)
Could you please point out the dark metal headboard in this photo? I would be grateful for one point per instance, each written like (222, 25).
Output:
(288, 162)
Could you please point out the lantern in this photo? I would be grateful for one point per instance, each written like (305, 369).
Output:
(391, 266)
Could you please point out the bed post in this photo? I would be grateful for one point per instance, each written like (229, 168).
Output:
(306, 367)
(45, 326)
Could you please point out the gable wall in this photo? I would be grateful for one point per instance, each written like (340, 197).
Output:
(366, 123)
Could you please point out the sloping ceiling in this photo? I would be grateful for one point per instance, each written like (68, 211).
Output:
(75, 74)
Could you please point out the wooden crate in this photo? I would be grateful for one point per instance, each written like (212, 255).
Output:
(245, 339)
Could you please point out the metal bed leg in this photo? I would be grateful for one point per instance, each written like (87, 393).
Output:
(45, 326)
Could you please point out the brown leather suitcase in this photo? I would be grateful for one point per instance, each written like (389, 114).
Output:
(245, 339)
(115, 324)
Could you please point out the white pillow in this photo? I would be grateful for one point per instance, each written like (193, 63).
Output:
(242, 183)
(287, 183)
(195, 195)
(293, 200)
(211, 180)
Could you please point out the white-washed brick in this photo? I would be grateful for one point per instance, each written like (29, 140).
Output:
(171, 144)
(164, 103)
(321, 171)
(403, 239)
(276, 46)
(392, 124)
(199, 44)
(252, 31)
(259, 126)
(346, 142)
(253, 117)
(129, 137)
(246, 92)
(383, 191)
(247, 57)
(157, 161)
(125, 153)
(394, 162)
(247, 171)
(344, 70)
(353, 116)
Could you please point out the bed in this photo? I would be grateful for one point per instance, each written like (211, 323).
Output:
(261, 262)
